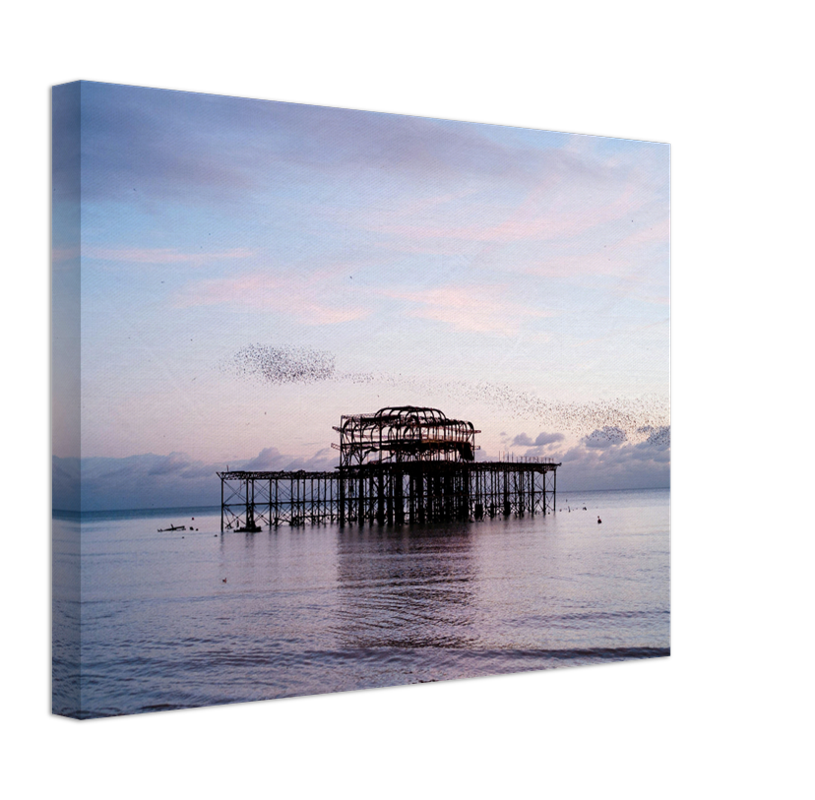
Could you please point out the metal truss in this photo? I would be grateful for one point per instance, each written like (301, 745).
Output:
(406, 464)
(393, 494)
(404, 434)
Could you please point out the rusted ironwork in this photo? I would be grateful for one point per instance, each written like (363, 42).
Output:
(405, 465)
(404, 433)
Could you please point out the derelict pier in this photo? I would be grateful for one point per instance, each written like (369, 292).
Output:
(398, 466)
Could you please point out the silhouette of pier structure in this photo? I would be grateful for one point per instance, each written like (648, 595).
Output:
(397, 466)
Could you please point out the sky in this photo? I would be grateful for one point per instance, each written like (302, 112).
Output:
(247, 271)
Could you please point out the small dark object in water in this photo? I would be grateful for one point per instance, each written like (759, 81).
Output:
(224, 580)
(599, 520)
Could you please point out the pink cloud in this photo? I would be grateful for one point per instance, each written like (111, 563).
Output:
(310, 298)
(471, 308)
(549, 212)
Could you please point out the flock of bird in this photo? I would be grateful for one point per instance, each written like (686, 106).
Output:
(279, 365)
(616, 420)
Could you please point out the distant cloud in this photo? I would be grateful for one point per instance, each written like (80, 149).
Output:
(142, 146)
(175, 462)
(270, 458)
(162, 255)
(205, 148)
(548, 438)
(543, 439)
(659, 436)
(313, 298)
(323, 460)
(619, 464)
(607, 436)
(196, 470)
(153, 481)
(605, 459)
(482, 308)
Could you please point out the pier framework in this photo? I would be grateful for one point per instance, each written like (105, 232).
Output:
(387, 494)
(398, 466)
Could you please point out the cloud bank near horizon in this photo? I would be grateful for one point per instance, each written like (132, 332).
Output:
(174, 480)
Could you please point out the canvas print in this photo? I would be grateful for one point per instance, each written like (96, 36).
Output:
(346, 400)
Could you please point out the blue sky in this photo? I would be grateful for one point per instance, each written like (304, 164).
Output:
(453, 264)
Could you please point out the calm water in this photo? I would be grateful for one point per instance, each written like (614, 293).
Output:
(313, 610)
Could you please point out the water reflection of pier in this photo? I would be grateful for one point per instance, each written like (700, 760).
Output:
(397, 466)
(406, 588)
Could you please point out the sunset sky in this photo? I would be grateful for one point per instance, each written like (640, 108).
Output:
(507, 276)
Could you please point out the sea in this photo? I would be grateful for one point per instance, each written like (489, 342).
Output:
(201, 617)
